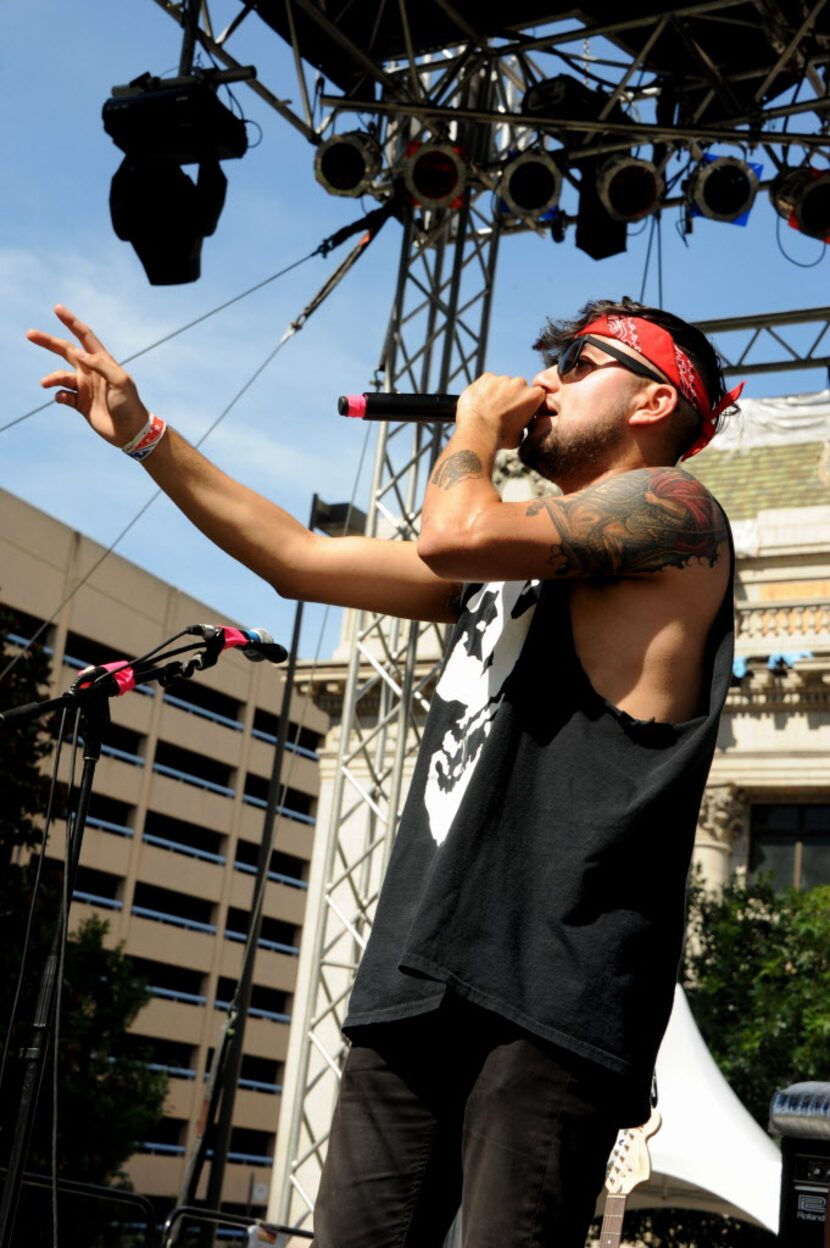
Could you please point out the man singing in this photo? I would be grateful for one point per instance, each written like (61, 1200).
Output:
(520, 972)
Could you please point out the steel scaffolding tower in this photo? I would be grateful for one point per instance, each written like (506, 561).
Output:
(436, 341)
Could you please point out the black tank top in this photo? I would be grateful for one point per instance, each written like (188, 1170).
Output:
(541, 862)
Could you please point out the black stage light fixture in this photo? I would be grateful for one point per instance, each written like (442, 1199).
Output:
(723, 189)
(802, 198)
(629, 188)
(347, 164)
(161, 125)
(435, 174)
(166, 215)
(598, 233)
(566, 97)
(530, 185)
(181, 120)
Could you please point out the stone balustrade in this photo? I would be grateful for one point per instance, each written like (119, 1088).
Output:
(783, 624)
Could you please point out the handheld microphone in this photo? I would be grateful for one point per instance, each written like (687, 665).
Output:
(259, 645)
(403, 407)
(255, 643)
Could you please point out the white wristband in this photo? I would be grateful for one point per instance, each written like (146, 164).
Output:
(147, 439)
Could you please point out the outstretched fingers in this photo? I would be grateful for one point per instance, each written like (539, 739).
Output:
(88, 340)
(50, 342)
(98, 361)
(61, 377)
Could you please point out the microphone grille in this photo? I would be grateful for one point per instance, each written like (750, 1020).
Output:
(261, 634)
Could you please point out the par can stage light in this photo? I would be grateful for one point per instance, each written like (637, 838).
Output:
(347, 164)
(530, 185)
(723, 188)
(802, 198)
(435, 174)
(629, 189)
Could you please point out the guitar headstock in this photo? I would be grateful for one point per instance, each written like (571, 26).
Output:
(630, 1162)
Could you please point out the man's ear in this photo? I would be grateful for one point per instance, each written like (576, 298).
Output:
(654, 404)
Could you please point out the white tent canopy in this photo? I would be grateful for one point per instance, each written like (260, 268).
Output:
(710, 1153)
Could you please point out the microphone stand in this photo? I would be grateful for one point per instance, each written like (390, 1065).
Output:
(89, 695)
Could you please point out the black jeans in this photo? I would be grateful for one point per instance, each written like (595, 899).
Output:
(458, 1107)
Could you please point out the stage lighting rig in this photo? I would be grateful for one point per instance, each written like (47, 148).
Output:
(161, 125)
(612, 192)
(530, 185)
(802, 198)
(723, 188)
(347, 164)
(629, 188)
(435, 174)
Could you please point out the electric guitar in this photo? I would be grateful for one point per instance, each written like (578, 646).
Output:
(628, 1165)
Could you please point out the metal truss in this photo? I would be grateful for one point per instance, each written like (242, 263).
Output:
(726, 72)
(436, 341)
(770, 336)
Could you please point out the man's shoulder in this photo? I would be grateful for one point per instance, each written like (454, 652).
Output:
(669, 490)
(656, 518)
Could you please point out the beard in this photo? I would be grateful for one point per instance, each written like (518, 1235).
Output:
(583, 456)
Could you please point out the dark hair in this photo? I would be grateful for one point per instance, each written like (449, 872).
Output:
(557, 334)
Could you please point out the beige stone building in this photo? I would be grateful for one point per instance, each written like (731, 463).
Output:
(767, 806)
(172, 840)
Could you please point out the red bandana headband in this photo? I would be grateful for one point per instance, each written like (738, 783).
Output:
(657, 346)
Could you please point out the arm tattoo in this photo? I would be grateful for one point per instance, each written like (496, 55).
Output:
(460, 466)
(641, 521)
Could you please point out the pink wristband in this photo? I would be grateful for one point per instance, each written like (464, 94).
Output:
(147, 439)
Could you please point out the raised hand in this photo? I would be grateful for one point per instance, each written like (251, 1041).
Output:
(94, 383)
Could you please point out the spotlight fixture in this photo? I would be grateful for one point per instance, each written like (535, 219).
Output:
(723, 188)
(161, 125)
(628, 188)
(166, 215)
(347, 164)
(435, 174)
(802, 198)
(565, 96)
(530, 185)
(600, 232)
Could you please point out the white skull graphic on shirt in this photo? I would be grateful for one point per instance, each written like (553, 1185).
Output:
(484, 653)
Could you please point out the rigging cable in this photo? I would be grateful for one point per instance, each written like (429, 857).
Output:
(175, 333)
(323, 249)
(373, 222)
(655, 231)
(801, 264)
(27, 935)
(647, 260)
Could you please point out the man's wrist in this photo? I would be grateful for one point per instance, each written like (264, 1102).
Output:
(481, 433)
(147, 439)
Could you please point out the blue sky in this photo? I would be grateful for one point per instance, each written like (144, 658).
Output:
(284, 438)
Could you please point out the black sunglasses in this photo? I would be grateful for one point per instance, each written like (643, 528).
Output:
(568, 359)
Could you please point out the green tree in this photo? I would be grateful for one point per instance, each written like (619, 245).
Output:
(108, 1099)
(24, 787)
(757, 975)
